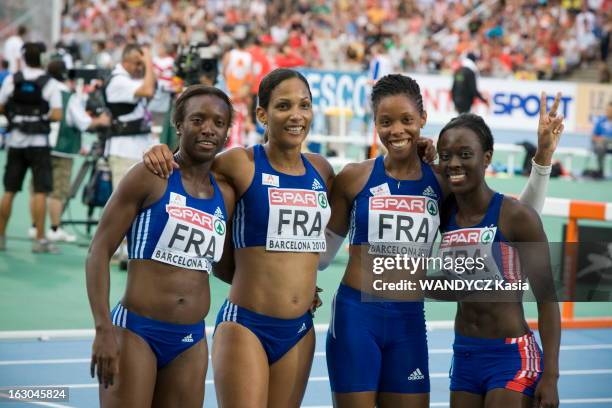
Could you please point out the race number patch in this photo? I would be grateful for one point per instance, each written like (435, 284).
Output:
(191, 239)
(474, 244)
(297, 220)
(402, 224)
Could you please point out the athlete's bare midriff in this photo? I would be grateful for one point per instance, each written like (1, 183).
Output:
(490, 319)
(359, 275)
(166, 293)
(276, 284)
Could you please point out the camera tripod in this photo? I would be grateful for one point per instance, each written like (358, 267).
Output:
(88, 166)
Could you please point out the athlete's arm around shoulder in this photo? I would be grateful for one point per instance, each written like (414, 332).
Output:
(236, 166)
(347, 184)
(138, 189)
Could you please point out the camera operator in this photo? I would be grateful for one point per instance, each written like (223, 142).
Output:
(131, 83)
(196, 63)
(31, 99)
(75, 120)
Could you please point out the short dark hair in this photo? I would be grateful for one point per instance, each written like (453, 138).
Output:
(31, 54)
(57, 69)
(22, 30)
(397, 84)
(129, 48)
(474, 123)
(273, 79)
(194, 90)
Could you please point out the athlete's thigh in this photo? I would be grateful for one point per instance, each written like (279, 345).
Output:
(500, 397)
(181, 382)
(396, 400)
(366, 399)
(353, 352)
(240, 367)
(134, 385)
(289, 375)
(462, 399)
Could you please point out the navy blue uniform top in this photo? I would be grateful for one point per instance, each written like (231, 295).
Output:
(483, 240)
(396, 216)
(280, 211)
(179, 229)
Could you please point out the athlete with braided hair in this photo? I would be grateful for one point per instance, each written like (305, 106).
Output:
(377, 348)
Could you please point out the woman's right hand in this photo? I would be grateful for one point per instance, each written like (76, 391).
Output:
(159, 160)
(105, 357)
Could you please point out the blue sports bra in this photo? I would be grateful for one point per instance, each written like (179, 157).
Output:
(280, 211)
(396, 216)
(499, 260)
(179, 229)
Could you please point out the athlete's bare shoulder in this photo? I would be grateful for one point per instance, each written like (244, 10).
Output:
(322, 165)
(518, 221)
(354, 176)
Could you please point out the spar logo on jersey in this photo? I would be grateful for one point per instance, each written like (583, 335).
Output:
(191, 239)
(432, 208)
(190, 216)
(219, 227)
(401, 219)
(294, 198)
(296, 220)
(468, 236)
(398, 204)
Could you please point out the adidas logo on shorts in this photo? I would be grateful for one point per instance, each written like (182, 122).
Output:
(188, 338)
(302, 328)
(430, 192)
(416, 375)
(219, 213)
(316, 185)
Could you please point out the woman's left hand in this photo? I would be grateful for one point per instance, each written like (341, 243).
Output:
(546, 394)
(426, 149)
(316, 302)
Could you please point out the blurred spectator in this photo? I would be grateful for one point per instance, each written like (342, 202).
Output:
(12, 48)
(465, 87)
(4, 70)
(602, 139)
(75, 120)
(163, 67)
(132, 82)
(31, 99)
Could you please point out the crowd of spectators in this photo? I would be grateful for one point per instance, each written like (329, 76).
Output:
(527, 39)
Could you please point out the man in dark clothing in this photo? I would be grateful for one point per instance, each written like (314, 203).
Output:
(464, 85)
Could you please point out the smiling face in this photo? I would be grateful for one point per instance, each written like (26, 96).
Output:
(398, 123)
(462, 159)
(203, 130)
(289, 113)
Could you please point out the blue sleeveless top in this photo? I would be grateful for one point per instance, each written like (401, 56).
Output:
(179, 229)
(280, 211)
(483, 240)
(396, 216)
